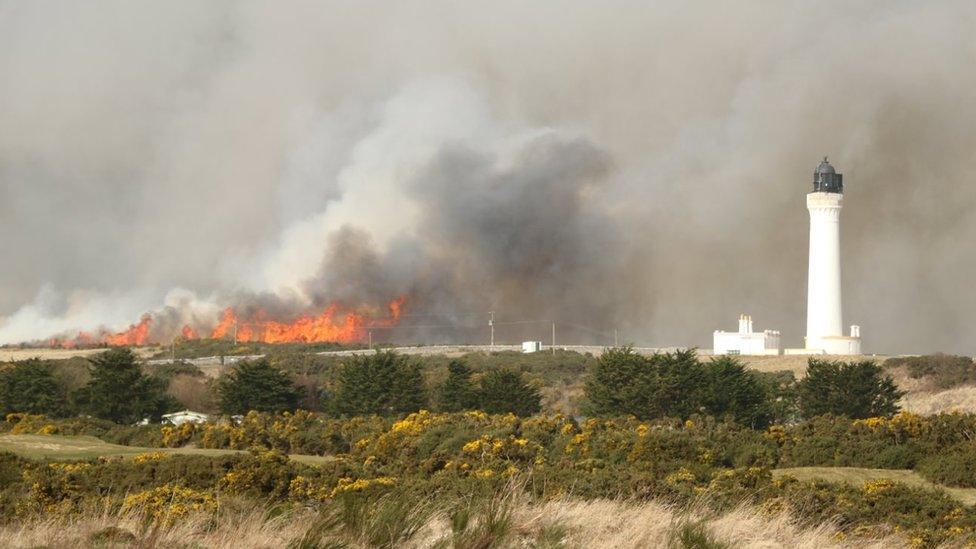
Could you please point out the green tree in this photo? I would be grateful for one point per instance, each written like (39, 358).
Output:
(256, 385)
(665, 384)
(854, 389)
(730, 390)
(384, 384)
(503, 391)
(30, 386)
(781, 390)
(458, 392)
(118, 390)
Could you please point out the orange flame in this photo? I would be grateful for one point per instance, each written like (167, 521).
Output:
(334, 324)
(189, 333)
(137, 334)
(227, 321)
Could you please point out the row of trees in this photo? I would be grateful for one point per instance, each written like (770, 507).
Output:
(679, 385)
(381, 384)
(622, 382)
(117, 390)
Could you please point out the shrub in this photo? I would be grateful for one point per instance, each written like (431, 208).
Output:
(956, 467)
(170, 503)
(853, 389)
(944, 370)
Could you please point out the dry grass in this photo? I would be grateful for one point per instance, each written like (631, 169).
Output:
(9, 354)
(962, 399)
(63, 447)
(599, 523)
(247, 529)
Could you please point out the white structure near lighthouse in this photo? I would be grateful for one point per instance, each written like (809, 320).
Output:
(825, 332)
(745, 341)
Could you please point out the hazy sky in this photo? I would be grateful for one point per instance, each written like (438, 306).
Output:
(612, 164)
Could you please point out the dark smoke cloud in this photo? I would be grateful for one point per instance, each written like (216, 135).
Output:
(613, 165)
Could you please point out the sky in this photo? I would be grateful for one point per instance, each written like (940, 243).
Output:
(609, 165)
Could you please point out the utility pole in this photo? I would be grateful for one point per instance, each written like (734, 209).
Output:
(615, 337)
(235, 332)
(371, 339)
(554, 337)
(491, 325)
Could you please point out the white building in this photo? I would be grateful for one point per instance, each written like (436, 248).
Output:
(745, 341)
(825, 332)
(531, 346)
(186, 416)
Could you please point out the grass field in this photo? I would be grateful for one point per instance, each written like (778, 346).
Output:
(857, 476)
(13, 353)
(58, 447)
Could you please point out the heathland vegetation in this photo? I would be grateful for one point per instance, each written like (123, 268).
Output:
(465, 452)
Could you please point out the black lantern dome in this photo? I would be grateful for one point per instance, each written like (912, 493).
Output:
(827, 180)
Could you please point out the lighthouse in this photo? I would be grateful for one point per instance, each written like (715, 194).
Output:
(825, 332)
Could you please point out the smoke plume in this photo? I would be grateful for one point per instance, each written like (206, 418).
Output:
(608, 166)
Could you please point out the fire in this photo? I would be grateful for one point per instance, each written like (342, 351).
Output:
(336, 323)
(189, 333)
(226, 325)
(137, 334)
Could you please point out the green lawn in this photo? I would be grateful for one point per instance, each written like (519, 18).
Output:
(858, 476)
(58, 447)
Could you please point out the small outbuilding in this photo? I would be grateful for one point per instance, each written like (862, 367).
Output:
(531, 346)
(185, 416)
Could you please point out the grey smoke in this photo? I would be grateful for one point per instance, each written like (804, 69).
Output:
(614, 165)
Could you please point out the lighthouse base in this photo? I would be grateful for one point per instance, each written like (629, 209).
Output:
(834, 345)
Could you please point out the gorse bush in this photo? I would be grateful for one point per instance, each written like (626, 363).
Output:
(953, 467)
(380, 491)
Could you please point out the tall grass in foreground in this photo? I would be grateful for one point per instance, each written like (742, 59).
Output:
(506, 520)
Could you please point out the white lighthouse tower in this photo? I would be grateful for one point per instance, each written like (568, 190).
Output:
(824, 322)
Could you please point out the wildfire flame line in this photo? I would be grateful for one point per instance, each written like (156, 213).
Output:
(334, 324)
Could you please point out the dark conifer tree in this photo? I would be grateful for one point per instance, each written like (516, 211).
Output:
(731, 390)
(120, 392)
(854, 389)
(30, 387)
(504, 391)
(256, 385)
(458, 391)
(383, 384)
